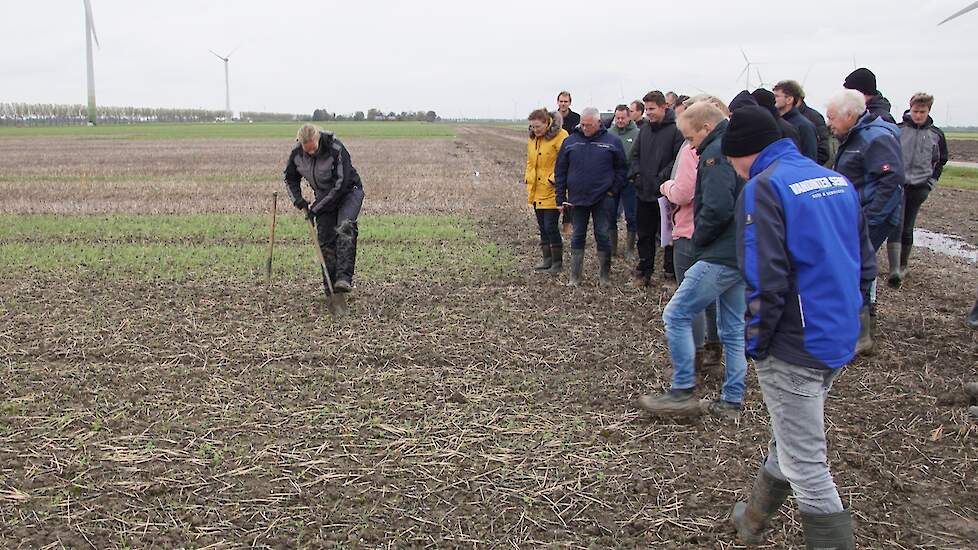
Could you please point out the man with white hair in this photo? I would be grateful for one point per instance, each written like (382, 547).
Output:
(320, 159)
(871, 157)
(590, 171)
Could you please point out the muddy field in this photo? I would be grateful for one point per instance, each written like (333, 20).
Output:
(963, 150)
(441, 413)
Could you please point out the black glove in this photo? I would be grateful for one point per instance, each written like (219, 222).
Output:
(301, 204)
(310, 215)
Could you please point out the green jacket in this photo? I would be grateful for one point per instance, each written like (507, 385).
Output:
(626, 135)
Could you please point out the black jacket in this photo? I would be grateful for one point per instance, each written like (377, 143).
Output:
(821, 132)
(653, 155)
(714, 203)
(880, 106)
(329, 172)
(571, 121)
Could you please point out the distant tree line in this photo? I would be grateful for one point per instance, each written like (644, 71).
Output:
(376, 114)
(255, 116)
(51, 114)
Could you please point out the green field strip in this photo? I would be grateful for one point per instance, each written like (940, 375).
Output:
(220, 228)
(203, 130)
(442, 248)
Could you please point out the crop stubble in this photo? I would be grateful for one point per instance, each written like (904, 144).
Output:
(442, 413)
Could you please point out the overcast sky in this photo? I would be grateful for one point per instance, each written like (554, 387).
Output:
(478, 59)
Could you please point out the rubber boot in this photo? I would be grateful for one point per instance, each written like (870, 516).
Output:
(751, 518)
(576, 267)
(893, 254)
(630, 246)
(556, 259)
(547, 258)
(613, 235)
(604, 275)
(865, 345)
(828, 531)
(973, 316)
(905, 251)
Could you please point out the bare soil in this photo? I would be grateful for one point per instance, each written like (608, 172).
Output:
(439, 414)
(963, 149)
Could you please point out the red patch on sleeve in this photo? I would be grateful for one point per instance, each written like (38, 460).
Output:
(886, 167)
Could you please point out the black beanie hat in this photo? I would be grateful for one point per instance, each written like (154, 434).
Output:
(863, 80)
(765, 98)
(742, 99)
(751, 129)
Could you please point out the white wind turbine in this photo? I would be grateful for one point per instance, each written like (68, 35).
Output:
(960, 12)
(746, 72)
(227, 83)
(89, 35)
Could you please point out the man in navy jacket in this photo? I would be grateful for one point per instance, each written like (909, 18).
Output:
(871, 157)
(787, 95)
(590, 171)
(805, 255)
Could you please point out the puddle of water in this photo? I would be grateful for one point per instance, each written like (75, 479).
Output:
(949, 245)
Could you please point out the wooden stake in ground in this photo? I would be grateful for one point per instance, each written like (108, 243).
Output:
(271, 242)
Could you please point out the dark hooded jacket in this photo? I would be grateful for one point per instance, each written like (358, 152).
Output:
(924, 151)
(714, 202)
(745, 98)
(329, 172)
(653, 156)
(880, 106)
(806, 130)
(821, 132)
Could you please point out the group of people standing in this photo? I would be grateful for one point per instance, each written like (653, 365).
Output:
(773, 246)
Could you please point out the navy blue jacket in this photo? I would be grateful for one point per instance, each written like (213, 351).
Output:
(588, 168)
(806, 132)
(714, 201)
(871, 157)
(804, 251)
(821, 132)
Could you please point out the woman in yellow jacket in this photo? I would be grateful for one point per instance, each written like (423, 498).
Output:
(546, 137)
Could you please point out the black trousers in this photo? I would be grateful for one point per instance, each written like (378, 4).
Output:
(913, 198)
(337, 231)
(647, 220)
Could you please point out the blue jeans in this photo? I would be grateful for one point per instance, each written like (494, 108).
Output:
(705, 283)
(600, 214)
(547, 221)
(625, 201)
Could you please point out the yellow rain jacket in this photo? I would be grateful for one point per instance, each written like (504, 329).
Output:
(541, 157)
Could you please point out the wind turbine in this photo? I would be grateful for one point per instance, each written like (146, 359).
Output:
(746, 72)
(959, 13)
(760, 78)
(89, 35)
(227, 83)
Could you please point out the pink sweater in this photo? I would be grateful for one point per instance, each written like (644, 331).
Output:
(680, 192)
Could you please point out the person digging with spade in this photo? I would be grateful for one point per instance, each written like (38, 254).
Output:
(323, 161)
